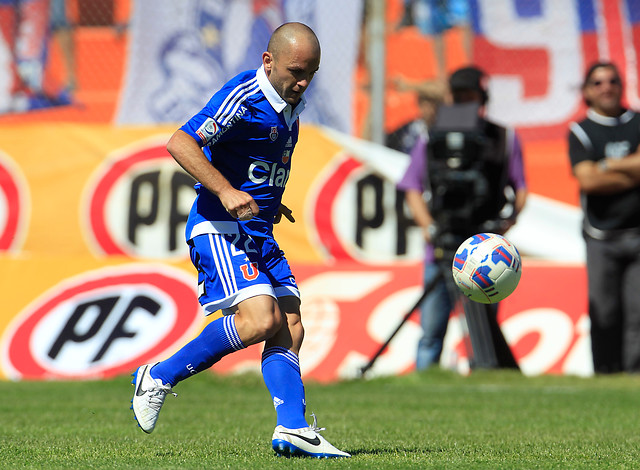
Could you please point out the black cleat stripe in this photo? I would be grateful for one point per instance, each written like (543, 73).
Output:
(139, 391)
(314, 442)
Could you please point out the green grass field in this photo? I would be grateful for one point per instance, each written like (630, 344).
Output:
(437, 419)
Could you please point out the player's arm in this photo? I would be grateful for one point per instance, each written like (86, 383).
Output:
(187, 152)
(521, 199)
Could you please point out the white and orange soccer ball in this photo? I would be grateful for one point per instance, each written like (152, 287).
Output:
(487, 268)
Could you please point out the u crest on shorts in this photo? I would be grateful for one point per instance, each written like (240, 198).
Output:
(234, 267)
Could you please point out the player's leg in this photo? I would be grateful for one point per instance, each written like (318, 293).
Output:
(281, 368)
(229, 279)
(254, 320)
(281, 373)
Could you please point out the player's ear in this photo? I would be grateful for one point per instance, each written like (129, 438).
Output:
(267, 61)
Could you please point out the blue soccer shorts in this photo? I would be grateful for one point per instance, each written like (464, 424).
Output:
(234, 267)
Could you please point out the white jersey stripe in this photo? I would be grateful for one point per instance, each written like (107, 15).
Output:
(221, 265)
(231, 113)
(231, 103)
(225, 112)
(233, 94)
(216, 260)
(229, 263)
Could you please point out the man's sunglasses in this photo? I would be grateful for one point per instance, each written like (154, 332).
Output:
(613, 81)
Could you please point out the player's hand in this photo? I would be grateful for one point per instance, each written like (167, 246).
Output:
(239, 204)
(283, 210)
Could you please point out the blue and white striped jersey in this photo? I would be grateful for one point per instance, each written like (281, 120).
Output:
(248, 132)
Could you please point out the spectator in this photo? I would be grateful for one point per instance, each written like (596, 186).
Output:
(603, 150)
(404, 138)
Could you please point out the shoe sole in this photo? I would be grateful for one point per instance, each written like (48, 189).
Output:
(286, 449)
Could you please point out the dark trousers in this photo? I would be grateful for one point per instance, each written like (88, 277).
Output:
(613, 271)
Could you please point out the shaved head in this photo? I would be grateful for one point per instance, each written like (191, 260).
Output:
(291, 60)
(291, 34)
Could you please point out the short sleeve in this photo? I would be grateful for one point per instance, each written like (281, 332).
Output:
(414, 175)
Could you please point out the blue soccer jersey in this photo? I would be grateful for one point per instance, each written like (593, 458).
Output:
(248, 132)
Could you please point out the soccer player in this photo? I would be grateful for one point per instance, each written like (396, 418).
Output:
(238, 148)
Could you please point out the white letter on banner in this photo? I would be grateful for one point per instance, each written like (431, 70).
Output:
(579, 361)
(555, 331)
(401, 352)
(557, 31)
(321, 311)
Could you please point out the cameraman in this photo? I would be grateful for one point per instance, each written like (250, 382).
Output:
(467, 85)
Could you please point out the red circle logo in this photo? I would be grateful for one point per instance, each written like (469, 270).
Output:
(13, 205)
(102, 323)
(358, 216)
(138, 203)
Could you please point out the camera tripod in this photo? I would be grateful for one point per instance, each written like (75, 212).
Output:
(488, 348)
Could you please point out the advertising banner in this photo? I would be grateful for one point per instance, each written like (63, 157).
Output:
(95, 276)
(96, 319)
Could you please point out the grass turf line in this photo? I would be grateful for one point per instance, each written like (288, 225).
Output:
(435, 419)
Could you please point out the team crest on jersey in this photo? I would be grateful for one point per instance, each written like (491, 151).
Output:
(273, 135)
(208, 129)
(289, 143)
(285, 156)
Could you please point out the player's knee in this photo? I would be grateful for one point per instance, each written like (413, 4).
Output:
(269, 321)
(258, 319)
(270, 324)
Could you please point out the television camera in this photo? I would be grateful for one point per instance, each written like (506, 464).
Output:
(467, 176)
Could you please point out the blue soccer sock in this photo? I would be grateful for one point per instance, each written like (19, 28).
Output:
(218, 339)
(281, 373)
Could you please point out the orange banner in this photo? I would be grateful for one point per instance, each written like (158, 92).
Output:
(96, 279)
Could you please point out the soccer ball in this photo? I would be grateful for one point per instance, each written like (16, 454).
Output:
(487, 268)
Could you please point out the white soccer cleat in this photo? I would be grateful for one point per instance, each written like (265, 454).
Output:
(148, 397)
(304, 442)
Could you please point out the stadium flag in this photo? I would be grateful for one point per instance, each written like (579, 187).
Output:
(557, 40)
(182, 52)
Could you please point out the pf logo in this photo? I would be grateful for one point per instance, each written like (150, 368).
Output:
(138, 202)
(13, 205)
(102, 323)
(360, 216)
